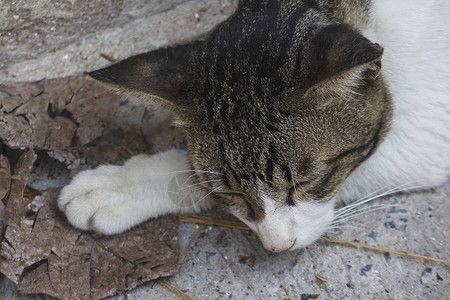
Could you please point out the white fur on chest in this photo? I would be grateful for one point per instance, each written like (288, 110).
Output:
(416, 66)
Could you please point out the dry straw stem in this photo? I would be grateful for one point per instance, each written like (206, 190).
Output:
(356, 244)
(174, 289)
(320, 278)
(188, 247)
(212, 221)
(239, 225)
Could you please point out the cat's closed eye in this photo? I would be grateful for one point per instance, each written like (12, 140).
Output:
(233, 197)
(295, 192)
(240, 200)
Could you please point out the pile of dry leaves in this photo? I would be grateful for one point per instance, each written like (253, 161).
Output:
(39, 250)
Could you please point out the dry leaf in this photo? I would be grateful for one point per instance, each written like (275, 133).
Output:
(39, 250)
(79, 158)
(44, 254)
(5, 184)
(55, 113)
(15, 203)
(5, 176)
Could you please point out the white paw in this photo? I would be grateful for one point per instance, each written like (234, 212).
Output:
(95, 200)
(112, 199)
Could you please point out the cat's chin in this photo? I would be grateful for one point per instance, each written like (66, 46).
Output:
(300, 244)
(303, 241)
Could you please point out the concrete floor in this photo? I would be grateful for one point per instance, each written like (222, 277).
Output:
(224, 263)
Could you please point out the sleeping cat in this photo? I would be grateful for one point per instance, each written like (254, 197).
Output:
(288, 108)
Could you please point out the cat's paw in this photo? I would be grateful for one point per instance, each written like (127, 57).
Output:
(95, 200)
(112, 199)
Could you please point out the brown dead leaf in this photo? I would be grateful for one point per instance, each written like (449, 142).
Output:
(39, 251)
(44, 254)
(55, 113)
(92, 107)
(80, 158)
(5, 184)
(16, 204)
(18, 249)
(5, 176)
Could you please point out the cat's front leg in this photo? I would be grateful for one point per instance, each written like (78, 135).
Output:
(112, 199)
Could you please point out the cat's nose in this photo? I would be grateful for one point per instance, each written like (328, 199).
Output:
(277, 237)
(279, 246)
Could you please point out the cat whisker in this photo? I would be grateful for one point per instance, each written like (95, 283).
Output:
(293, 181)
(385, 187)
(340, 213)
(366, 199)
(349, 213)
(354, 210)
(361, 212)
(197, 184)
(203, 198)
(187, 180)
(195, 171)
(193, 198)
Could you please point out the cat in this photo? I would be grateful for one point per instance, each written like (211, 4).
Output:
(288, 109)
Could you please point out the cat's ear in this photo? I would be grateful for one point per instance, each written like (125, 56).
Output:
(159, 76)
(340, 55)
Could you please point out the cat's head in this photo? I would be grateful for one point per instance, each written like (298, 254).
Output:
(280, 120)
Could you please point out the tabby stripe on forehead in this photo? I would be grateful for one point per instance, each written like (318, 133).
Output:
(260, 176)
(224, 110)
(287, 173)
(272, 128)
(289, 33)
(272, 112)
(227, 163)
(235, 175)
(225, 181)
(208, 88)
(299, 57)
(271, 163)
(270, 18)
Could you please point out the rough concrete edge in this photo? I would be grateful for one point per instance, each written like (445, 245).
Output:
(75, 60)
